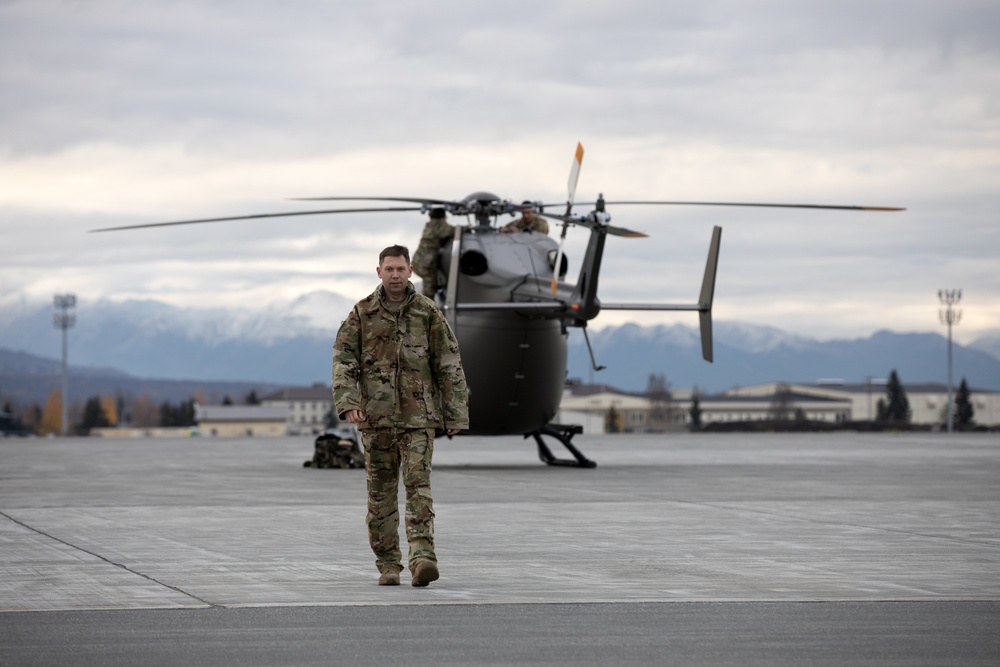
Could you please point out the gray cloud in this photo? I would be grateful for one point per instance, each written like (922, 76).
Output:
(115, 113)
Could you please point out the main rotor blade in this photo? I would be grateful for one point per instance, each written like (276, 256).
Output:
(251, 217)
(754, 205)
(415, 200)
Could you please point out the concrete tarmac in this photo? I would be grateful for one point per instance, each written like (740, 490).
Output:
(677, 549)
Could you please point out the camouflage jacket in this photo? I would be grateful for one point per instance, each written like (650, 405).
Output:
(437, 232)
(401, 369)
(537, 225)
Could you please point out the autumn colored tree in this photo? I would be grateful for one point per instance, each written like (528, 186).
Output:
(51, 414)
(110, 409)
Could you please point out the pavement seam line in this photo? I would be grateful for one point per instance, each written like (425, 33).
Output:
(772, 513)
(107, 560)
(829, 522)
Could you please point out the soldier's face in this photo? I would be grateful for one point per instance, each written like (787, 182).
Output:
(528, 214)
(394, 272)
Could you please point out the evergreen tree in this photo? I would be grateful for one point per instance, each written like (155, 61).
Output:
(964, 412)
(93, 416)
(10, 422)
(180, 415)
(330, 418)
(613, 421)
(121, 410)
(896, 407)
(696, 410)
(251, 398)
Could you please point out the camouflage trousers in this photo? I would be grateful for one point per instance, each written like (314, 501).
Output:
(387, 451)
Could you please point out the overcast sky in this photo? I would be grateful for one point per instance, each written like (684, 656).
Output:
(116, 113)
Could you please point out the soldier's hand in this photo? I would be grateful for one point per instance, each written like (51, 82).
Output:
(453, 431)
(354, 416)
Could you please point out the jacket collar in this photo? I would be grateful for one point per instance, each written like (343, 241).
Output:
(379, 299)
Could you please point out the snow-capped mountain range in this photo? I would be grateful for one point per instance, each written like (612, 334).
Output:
(290, 343)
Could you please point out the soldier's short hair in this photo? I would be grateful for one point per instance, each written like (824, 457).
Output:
(394, 251)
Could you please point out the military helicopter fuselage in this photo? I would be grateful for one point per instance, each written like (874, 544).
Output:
(515, 361)
(512, 315)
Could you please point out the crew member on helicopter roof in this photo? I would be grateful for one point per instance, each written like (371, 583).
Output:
(427, 259)
(528, 222)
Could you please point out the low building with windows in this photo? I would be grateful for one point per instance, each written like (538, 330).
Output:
(601, 408)
(784, 402)
(605, 409)
(927, 400)
(228, 421)
(307, 408)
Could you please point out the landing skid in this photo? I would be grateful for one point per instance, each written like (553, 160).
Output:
(563, 433)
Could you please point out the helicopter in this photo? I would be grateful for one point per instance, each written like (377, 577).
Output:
(508, 300)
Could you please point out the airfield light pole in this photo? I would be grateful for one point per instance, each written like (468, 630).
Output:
(950, 316)
(64, 320)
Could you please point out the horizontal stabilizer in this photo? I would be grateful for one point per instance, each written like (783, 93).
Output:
(705, 297)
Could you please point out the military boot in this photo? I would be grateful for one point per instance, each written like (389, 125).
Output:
(390, 576)
(424, 571)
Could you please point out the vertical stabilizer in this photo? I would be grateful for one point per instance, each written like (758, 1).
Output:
(708, 294)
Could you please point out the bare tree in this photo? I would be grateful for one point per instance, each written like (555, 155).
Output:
(781, 404)
(660, 403)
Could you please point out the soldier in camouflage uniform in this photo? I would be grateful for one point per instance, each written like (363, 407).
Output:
(528, 222)
(398, 375)
(427, 258)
